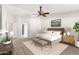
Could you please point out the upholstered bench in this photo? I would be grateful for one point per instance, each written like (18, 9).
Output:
(40, 42)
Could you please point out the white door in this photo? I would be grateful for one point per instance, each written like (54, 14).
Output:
(24, 30)
(15, 30)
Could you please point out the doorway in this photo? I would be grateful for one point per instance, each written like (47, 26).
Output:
(24, 30)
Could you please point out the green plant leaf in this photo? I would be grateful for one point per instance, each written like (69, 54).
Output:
(76, 27)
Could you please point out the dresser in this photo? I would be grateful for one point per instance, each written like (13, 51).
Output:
(6, 49)
(68, 39)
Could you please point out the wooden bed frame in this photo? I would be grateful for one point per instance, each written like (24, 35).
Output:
(56, 29)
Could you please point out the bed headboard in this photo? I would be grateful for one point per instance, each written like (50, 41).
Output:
(56, 29)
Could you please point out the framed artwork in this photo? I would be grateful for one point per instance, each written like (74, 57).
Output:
(56, 23)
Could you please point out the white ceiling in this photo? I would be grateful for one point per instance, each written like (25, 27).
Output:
(52, 8)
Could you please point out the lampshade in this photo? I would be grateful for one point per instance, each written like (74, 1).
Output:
(68, 33)
(64, 34)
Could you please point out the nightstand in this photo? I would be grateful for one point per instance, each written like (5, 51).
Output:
(69, 39)
(6, 49)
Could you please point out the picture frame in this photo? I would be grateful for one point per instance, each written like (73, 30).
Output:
(56, 23)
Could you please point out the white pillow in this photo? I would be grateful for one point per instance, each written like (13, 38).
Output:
(57, 32)
(48, 32)
(44, 34)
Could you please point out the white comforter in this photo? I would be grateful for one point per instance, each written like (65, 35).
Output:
(51, 37)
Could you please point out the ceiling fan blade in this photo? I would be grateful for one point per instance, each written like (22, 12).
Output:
(39, 12)
(46, 13)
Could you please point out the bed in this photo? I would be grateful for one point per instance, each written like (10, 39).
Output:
(52, 35)
(57, 29)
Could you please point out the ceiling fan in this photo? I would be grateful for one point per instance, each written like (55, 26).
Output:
(42, 13)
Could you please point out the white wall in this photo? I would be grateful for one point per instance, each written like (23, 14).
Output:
(45, 23)
(18, 21)
(4, 18)
(12, 17)
(35, 24)
(67, 19)
(0, 17)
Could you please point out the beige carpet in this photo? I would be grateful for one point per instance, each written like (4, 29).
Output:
(47, 50)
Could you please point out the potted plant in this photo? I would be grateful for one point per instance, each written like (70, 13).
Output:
(76, 27)
(6, 39)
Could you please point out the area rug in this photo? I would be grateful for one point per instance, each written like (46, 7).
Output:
(47, 50)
